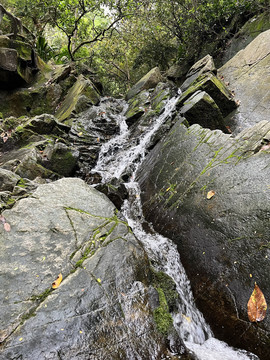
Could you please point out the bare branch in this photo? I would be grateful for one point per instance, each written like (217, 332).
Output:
(100, 35)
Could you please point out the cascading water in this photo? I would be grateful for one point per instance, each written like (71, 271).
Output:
(121, 155)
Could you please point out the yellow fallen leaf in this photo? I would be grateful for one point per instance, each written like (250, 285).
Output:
(98, 280)
(57, 282)
(256, 306)
(210, 194)
(80, 134)
(20, 339)
(186, 317)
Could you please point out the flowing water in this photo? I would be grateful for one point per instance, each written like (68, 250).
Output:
(121, 155)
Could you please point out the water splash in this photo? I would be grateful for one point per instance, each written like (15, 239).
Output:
(122, 154)
(116, 157)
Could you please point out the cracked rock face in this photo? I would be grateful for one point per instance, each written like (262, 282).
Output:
(100, 310)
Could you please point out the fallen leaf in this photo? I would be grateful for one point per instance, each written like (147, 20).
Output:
(98, 280)
(229, 129)
(210, 194)
(57, 282)
(256, 306)
(6, 226)
(187, 318)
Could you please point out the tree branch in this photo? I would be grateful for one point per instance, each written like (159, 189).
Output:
(99, 35)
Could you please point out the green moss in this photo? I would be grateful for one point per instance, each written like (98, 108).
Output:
(88, 252)
(41, 297)
(162, 317)
(30, 313)
(10, 201)
(166, 283)
(81, 87)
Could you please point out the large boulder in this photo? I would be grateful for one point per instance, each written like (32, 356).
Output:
(209, 83)
(82, 94)
(18, 63)
(201, 109)
(150, 80)
(202, 66)
(104, 307)
(209, 192)
(249, 78)
(223, 241)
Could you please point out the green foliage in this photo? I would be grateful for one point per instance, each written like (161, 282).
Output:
(43, 48)
(195, 22)
(123, 39)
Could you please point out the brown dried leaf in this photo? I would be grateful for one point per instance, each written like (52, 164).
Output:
(6, 226)
(256, 306)
(210, 194)
(57, 282)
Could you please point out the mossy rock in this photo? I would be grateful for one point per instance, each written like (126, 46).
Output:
(168, 286)
(81, 87)
(137, 106)
(60, 159)
(201, 109)
(149, 81)
(160, 95)
(252, 28)
(202, 66)
(215, 88)
(8, 180)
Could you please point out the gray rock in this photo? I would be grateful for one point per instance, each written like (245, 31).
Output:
(223, 241)
(8, 59)
(248, 75)
(149, 81)
(209, 83)
(18, 63)
(8, 180)
(100, 310)
(201, 109)
(175, 73)
(202, 66)
(82, 86)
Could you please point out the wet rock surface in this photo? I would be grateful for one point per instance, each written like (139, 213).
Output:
(223, 241)
(101, 308)
(111, 303)
(248, 76)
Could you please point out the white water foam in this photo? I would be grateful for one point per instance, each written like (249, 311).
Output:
(116, 156)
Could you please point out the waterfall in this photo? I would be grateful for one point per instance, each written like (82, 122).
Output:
(122, 155)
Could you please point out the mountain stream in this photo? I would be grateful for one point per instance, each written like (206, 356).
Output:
(121, 156)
